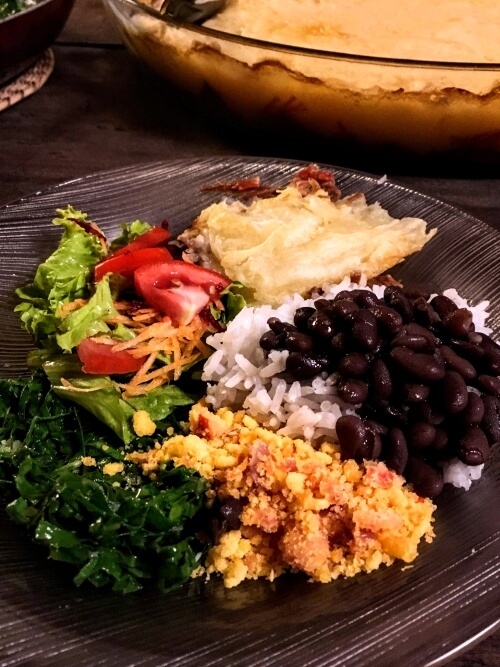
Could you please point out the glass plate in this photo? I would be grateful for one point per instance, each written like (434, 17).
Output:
(412, 616)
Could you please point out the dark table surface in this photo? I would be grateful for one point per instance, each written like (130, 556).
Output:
(101, 110)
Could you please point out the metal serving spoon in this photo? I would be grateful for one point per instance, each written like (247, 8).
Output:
(191, 11)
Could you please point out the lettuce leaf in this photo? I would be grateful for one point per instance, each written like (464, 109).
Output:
(63, 277)
(102, 397)
(89, 320)
(129, 233)
(233, 299)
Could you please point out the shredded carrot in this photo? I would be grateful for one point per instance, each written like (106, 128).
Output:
(183, 345)
(155, 335)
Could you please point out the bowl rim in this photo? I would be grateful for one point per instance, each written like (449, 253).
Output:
(303, 51)
(26, 10)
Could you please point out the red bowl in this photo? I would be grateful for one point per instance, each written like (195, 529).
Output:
(25, 35)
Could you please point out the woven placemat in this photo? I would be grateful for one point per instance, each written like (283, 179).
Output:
(28, 82)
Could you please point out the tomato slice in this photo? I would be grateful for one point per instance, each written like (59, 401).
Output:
(98, 358)
(150, 239)
(128, 261)
(179, 289)
(181, 303)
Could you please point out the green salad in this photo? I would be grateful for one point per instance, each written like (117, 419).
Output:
(10, 7)
(119, 329)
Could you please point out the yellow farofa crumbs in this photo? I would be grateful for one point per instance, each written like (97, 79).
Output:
(88, 461)
(113, 468)
(142, 423)
(303, 509)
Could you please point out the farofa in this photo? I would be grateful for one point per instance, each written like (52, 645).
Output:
(303, 509)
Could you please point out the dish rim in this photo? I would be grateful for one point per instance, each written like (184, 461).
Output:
(33, 197)
(25, 11)
(307, 52)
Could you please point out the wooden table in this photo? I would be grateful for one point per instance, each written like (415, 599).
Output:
(101, 110)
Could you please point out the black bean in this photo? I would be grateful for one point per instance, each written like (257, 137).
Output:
(364, 330)
(392, 414)
(380, 380)
(453, 393)
(346, 294)
(438, 356)
(225, 517)
(430, 414)
(301, 316)
(492, 353)
(375, 426)
(413, 292)
(270, 341)
(374, 444)
(491, 419)
(397, 300)
(279, 327)
(441, 440)
(422, 367)
(456, 363)
(416, 337)
(391, 291)
(415, 393)
(305, 366)
(471, 351)
(490, 384)
(458, 323)
(412, 341)
(443, 305)
(492, 360)
(366, 299)
(321, 324)
(354, 364)
(474, 410)
(426, 480)
(353, 438)
(475, 337)
(338, 342)
(295, 341)
(396, 450)
(230, 512)
(419, 330)
(473, 447)
(321, 304)
(421, 435)
(353, 391)
(424, 313)
(342, 308)
(388, 319)
(486, 341)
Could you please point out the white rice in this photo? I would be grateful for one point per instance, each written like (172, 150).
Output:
(240, 375)
(457, 473)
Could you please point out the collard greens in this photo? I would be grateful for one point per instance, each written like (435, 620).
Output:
(118, 530)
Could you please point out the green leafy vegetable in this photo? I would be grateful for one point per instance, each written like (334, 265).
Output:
(63, 277)
(89, 320)
(9, 7)
(129, 233)
(102, 397)
(233, 299)
(118, 530)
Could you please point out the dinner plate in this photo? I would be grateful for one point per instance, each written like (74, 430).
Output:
(416, 615)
